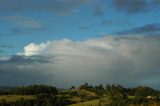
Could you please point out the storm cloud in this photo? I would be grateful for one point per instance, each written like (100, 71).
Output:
(125, 60)
(20, 70)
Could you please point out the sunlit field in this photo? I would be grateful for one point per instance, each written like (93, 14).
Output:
(13, 98)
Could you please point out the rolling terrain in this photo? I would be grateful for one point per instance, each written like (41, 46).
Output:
(85, 95)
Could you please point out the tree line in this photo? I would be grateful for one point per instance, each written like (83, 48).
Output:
(121, 96)
(44, 96)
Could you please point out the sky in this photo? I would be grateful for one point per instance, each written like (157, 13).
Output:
(70, 42)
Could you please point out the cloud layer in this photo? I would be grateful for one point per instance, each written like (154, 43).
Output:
(61, 7)
(126, 60)
(148, 29)
(65, 7)
(135, 6)
(21, 25)
(131, 6)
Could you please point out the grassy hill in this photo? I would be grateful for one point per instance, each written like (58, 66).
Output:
(78, 95)
(112, 95)
(87, 103)
(96, 102)
(13, 98)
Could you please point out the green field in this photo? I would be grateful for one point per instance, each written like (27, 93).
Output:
(87, 103)
(96, 102)
(13, 98)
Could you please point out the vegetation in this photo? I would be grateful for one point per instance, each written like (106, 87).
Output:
(87, 103)
(30, 90)
(13, 98)
(42, 95)
(85, 95)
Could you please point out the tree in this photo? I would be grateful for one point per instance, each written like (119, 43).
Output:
(99, 87)
(117, 96)
(72, 87)
(108, 87)
(141, 93)
(84, 86)
(3, 102)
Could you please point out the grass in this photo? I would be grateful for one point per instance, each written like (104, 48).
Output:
(88, 93)
(75, 99)
(78, 95)
(131, 97)
(87, 103)
(13, 98)
(80, 91)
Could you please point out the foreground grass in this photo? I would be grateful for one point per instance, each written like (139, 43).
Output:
(87, 103)
(80, 91)
(13, 98)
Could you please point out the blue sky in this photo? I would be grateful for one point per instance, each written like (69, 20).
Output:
(61, 36)
(23, 22)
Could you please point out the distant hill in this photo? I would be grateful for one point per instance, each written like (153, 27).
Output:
(61, 89)
(6, 88)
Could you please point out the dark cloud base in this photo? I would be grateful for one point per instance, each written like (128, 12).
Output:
(20, 70)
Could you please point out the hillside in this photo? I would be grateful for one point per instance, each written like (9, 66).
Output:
(85, 95)
(14, 98)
